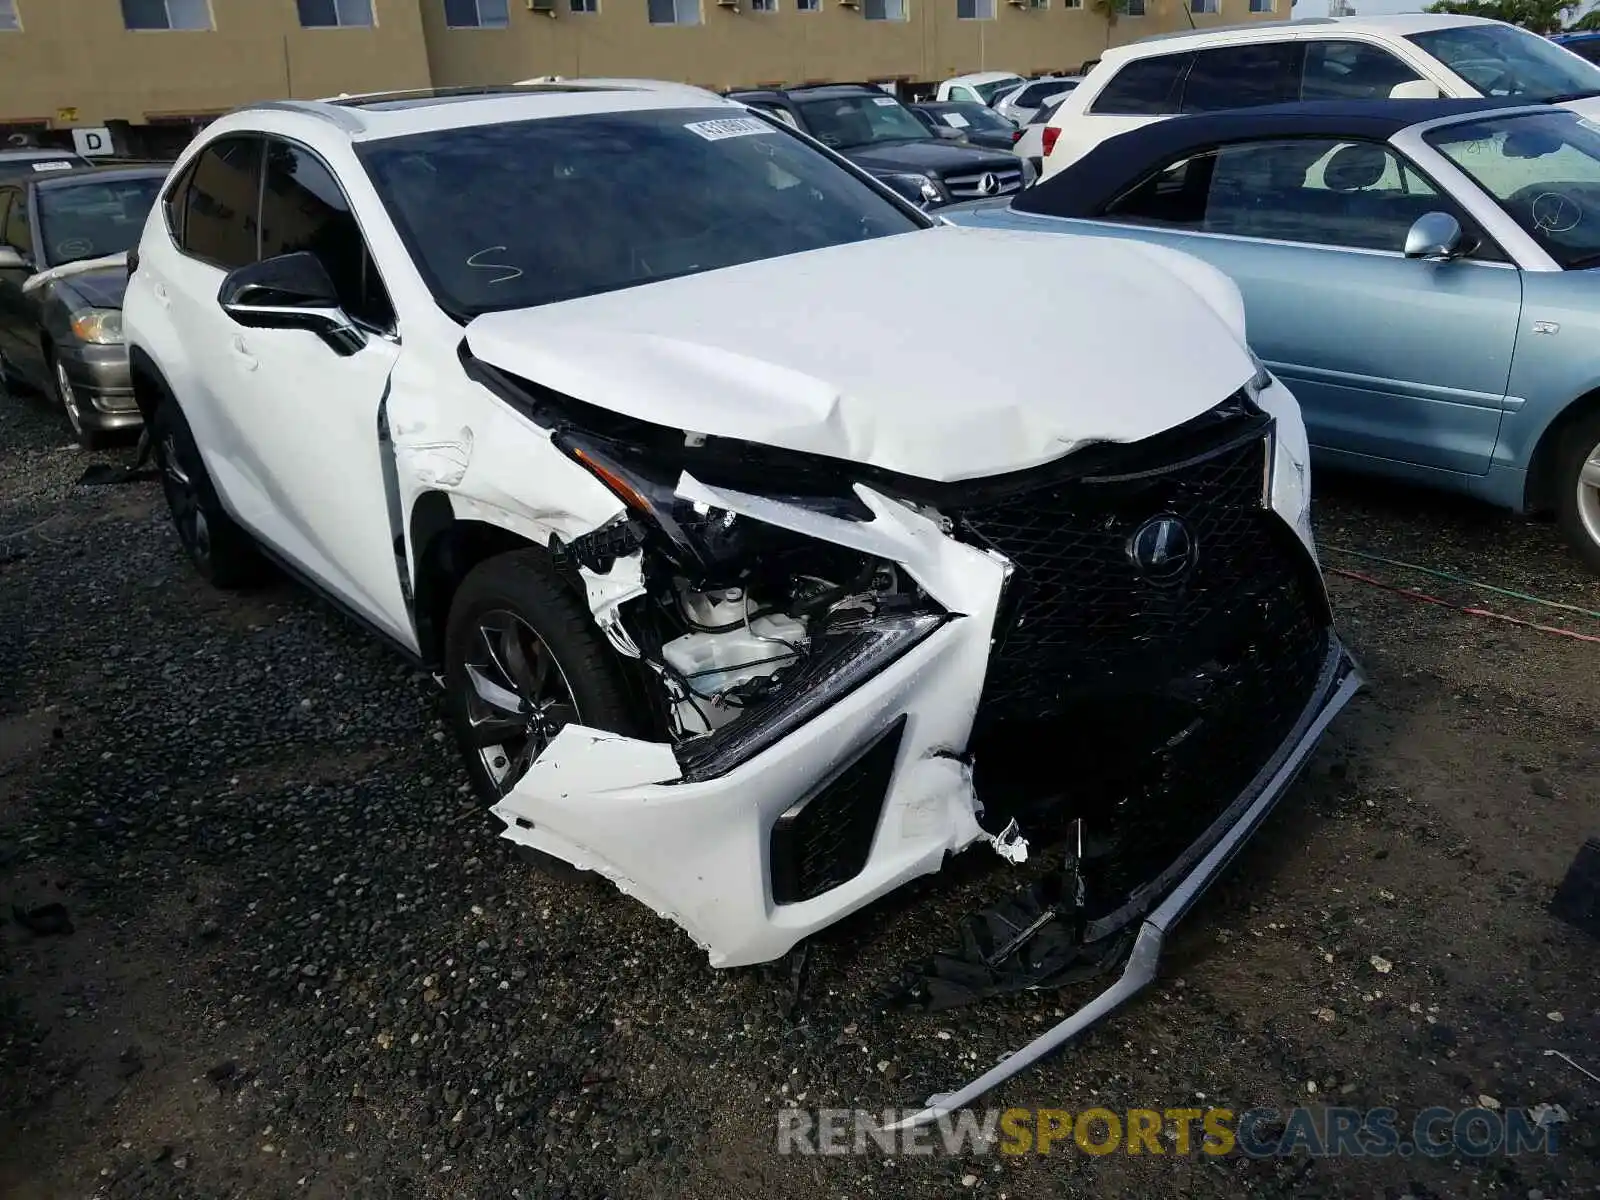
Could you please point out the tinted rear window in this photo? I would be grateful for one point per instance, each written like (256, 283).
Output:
(533, 212)
(1149, 87)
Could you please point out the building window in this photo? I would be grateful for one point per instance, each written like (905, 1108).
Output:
(585, 6)
(1135, 8)
(9, 21)
(763, 5)
(1205, 6)
(1262, 6)
(335, 14)
(166, 14)
(1071, 3)
(808, 5)
(975, 10)
(674, 12)
(476, 14)
(883, 10)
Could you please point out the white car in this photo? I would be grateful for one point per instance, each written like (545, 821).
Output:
(1020, 104)
(1415, 56)
(981, 87)
(1030, 146)
(746, 593)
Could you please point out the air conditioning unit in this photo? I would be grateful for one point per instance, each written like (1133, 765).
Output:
(849, 3)
(547, 7)
(733, 4)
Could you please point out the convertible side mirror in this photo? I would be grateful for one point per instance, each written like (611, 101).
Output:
(291, 291)
(1435, 237)
(1415, 89)
(12, 259)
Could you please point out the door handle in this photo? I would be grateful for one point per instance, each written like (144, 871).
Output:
(242, 352)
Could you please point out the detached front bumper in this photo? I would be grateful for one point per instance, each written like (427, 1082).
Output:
(1340, 680)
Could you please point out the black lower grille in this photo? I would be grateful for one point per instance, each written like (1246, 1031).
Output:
(1153, 702)
(824, 840)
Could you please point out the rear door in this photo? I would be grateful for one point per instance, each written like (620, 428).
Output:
(1391, 358)
(216, 221)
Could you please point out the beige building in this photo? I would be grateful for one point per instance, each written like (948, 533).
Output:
(151, 71)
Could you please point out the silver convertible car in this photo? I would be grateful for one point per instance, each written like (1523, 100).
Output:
(1421, 274)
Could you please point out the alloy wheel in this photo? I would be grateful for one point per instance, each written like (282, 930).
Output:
(69, 399)
(517, 696)
(184, 500)
(1589, 493)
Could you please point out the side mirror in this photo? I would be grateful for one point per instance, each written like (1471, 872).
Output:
(1435, 237)
(292, 291)
(12, 259)
(1415, 89)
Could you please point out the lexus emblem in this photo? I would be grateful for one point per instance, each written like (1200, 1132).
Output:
(1162, 549)
(988, 185)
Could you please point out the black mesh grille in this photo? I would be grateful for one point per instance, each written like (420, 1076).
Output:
(1081, 614)
(1154, 706)
(824, 840)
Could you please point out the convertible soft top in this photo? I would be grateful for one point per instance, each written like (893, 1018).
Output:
(1106, 172)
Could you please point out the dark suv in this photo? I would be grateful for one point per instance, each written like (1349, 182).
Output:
(874, 130)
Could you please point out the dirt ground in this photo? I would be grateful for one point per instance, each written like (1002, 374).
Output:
(302, 964)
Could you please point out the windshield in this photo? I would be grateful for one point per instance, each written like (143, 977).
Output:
(972, 116)
(861, 120)
(94, 218)
(1543, 169)
(533, 212)
(988, 91)
(1502, 60)
(21, 168)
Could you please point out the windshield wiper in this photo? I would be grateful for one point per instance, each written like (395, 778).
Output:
(1563, 97)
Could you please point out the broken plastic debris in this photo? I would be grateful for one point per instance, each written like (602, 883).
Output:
(1010, 845)
(1381, 965)
(1547, 1115)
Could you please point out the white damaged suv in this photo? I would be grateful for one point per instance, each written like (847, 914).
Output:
(746, 593)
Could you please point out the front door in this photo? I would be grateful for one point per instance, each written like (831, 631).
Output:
(306, 417)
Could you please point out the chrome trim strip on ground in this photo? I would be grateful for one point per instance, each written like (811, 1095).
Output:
(1341, 680)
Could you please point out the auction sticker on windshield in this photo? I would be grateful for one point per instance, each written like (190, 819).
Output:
(728, 127)
(52, 166)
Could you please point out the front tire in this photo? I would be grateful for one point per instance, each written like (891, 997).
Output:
(224, 554)
(72, 404)
(522, 659)
(1578, 489)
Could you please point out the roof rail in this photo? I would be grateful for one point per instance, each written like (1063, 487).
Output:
(345, 118)
(1183, 33)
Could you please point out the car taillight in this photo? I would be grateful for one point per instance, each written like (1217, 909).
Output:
(1016, 136)
(1051, 135)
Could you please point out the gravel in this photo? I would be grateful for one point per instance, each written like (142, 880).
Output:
(302, 962)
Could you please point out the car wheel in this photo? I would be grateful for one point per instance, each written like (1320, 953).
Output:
(224, 554)
(523, 658)
(1578, 478)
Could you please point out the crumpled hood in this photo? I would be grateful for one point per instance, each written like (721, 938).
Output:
(846, 352)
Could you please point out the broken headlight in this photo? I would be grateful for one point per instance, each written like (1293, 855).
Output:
(697, 536)
(754, 629)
